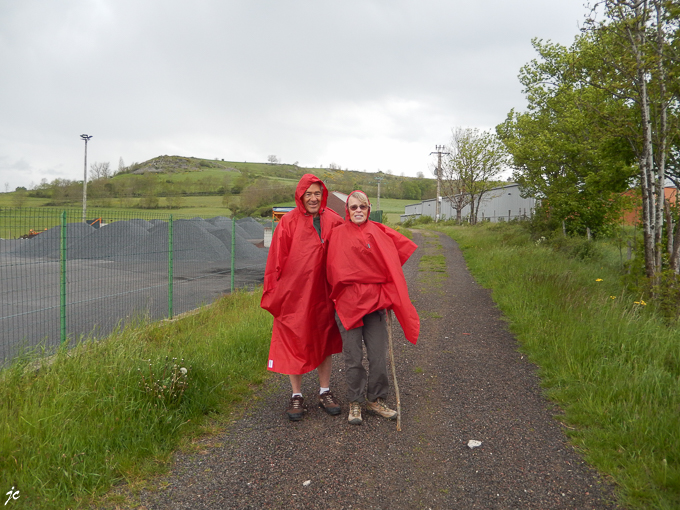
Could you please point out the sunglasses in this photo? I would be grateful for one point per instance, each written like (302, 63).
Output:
(355, 207)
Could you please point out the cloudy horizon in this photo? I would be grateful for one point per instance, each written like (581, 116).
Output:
(367, 85)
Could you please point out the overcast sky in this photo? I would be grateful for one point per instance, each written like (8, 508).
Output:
(365, 84)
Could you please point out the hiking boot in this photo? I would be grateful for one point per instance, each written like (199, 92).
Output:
(354, 413)
(379, 407)
(328, 403)
(296, 408)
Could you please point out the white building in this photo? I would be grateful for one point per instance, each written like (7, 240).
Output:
(498, 204)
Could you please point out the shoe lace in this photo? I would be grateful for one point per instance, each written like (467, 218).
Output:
(328, 399)
(296, 403)
(355, 407)
(380, 403)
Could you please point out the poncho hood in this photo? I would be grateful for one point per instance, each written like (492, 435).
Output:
(368, 214)
(305, 182)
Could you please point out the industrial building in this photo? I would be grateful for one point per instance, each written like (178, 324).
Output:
(503, 203)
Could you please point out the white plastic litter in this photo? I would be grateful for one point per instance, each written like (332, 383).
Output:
(474, 444)
(305, 484)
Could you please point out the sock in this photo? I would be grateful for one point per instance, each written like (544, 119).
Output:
(323, 390)
(297, 394)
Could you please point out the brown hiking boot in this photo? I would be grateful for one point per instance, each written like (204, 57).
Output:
(379, 407)
(328, 403)
(296, 408)
(354, 416)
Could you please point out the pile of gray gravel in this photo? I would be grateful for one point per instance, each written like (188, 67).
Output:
(196, 239)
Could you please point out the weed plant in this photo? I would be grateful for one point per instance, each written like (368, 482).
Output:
(114, 410)
(608, 358)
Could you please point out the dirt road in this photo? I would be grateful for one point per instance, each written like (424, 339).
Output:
(465, 380)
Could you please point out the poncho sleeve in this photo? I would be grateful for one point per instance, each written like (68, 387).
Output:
(276, 259)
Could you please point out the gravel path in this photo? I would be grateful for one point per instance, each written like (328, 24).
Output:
(465, 380)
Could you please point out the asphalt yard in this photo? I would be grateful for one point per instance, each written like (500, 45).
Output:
(118, 273)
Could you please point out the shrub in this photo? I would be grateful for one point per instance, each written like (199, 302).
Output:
(575, 247)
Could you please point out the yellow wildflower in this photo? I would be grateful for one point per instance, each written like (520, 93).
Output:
(599, 280)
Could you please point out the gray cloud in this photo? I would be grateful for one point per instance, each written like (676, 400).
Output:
(366, 84)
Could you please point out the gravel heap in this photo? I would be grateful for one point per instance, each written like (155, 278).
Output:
(254, 229)
(48, 243)
(140, 240)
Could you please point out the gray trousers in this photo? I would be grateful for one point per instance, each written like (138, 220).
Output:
(373, 334)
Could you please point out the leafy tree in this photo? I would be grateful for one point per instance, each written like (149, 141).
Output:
(475, 158)
(637, 63)
(410, 190)
(562, 151)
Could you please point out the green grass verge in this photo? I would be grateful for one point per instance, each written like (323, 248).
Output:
(76, 424)
(608, 360)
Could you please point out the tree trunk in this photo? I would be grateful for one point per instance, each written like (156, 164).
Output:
(649, 208)
(662, 130)
(473, 211)
(675, 254)
(669, 227)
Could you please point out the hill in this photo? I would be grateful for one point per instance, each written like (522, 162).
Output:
(175, 182)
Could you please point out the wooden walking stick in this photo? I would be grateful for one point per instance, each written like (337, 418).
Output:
(394, 372)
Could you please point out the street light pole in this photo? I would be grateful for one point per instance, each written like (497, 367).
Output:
(86, 138)
(379, 180)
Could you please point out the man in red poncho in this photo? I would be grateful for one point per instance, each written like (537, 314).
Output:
(364, 270)
(296, 293)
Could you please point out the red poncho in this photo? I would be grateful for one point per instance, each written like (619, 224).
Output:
(364, 270)
(296, 291)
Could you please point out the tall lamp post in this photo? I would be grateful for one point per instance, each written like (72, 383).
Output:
(379, 180)
(86, 138)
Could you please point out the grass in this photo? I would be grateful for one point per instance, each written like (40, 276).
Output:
(393, 208)
(115, 410)
(610, 362)
(17, 222)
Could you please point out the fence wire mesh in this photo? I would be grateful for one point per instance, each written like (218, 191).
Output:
(62, 279)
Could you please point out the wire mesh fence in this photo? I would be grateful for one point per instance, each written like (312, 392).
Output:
(64, 279)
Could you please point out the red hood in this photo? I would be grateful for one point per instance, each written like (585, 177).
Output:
(305, 182)
(347, 218)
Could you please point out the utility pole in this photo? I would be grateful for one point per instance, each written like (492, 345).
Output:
(439, 151)
(379, 180)
(86, 138)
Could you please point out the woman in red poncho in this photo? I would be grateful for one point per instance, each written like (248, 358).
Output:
(296, 293)
(364, 270)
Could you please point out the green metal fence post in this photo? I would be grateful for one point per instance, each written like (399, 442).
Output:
(62, 278)
(170, 267)
(233, 250)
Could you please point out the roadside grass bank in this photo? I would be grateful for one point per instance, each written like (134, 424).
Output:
(104, 412)
(608, 359)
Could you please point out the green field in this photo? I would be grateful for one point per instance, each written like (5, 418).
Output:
(34, 215)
